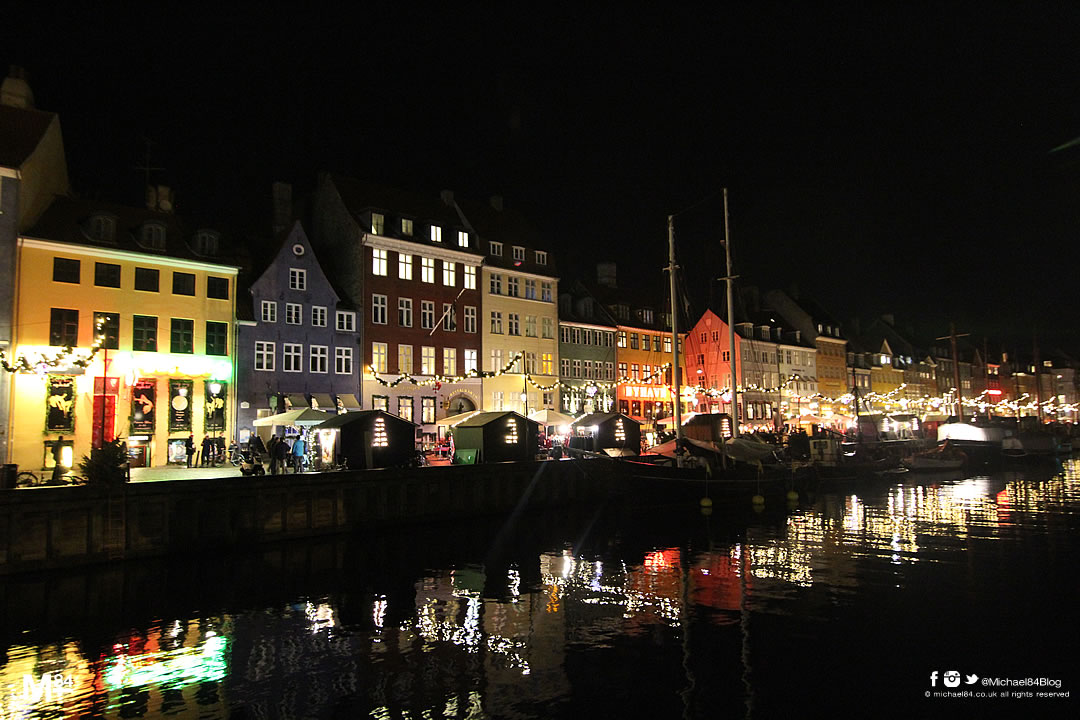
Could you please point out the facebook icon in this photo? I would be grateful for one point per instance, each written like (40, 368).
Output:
(933, 679)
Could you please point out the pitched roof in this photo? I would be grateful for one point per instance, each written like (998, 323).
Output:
(21, 131)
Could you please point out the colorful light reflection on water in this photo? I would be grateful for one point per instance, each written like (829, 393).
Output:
(698, 624)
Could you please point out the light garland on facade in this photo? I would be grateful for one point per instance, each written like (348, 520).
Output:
(66, 357)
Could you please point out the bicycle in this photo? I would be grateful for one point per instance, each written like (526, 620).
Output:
(29, 478)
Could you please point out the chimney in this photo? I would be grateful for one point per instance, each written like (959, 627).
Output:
(605, 274)
(447, 197)
(160, 198)
(282, 193)
(497, 202)
(15, 91)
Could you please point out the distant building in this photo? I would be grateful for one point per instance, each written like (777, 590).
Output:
(586, 352)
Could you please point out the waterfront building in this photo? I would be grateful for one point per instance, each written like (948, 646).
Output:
(778, 372)
(33, 170)
(521, 350)
(645, 388)
(708, 364)
(586, 352)
(411, 266)
(124, 327)
(297, 338)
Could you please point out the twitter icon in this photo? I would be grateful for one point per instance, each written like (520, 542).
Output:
(972, 679)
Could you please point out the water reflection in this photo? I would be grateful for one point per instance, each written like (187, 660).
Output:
(547, 635)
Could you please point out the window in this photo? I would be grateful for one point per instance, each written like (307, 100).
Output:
(436, 234)
(470, 277)
(206, 242)
(318, 359)
(404, 266)
(530, 289)
(633, 341)
(108, 275)
(427, 360)
(217, 288)
(153, 236)
(512, 286)
(378, 261)
(497, 400)
(318, 316)
(496, 360)
(647, 316)
(530, 326)
(427, 270)
(427, 410)
(380, 402)
(586, 368)
(545, 291)
(547, 363)
(622, 370)
(635, 373)
(404, 312)
(496, 322)
(575, 336)
(448, 272)
(449, 361)
(294, 313)
(405, 407)
(65, 270)
(667, 344)
(470, 361)
(144, 333)
(449, 317)
(107, 328)
(346, 321)
(269, 311)
(377, 223)
(182, 337)
(102, 228)
(378, 309)
(264, 355)
(610, 370)
(406, 226)
(217, 338)
(293, 357)
(427, 314)
(404, 359)
(183, 283)
(495, 284)
(541, 257)
(297, 279)
(513, 324)
(530, 362)
(146, 279)
(576, 365)
(519, 253)
(496, 249)
(343, 360)
(646, 343)
(621, 335)
(470, 319)
(462, 238)
(564, 366)
(547, 328)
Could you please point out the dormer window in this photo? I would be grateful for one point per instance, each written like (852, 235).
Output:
(377, 222)
(206, 242)
(519, 253)
(153, 236)
(102, 228)
(406, 227)
(496, 249)
(884, 359)
(463, 239)
(436, 234)
(541, 257)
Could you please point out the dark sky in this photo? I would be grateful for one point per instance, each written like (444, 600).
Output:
(886, 157)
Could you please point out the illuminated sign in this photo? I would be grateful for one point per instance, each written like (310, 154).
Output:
(212, 367)
(647, 392)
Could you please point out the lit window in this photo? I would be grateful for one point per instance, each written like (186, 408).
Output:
(427, 270)
(377, 223)
(378, 357)
(378, 261)
(404, 407)
(448, 272)
(470, 361)
(406, 226)
(449, 361)
(470, 277)
(427, 360)
(547, 363)
(404, 266)
(404, 359)
(462, 239)
(436, 234)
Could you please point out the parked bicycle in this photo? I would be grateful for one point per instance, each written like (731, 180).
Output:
(29, 478)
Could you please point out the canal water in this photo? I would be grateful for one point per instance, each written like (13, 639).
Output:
(911, 596)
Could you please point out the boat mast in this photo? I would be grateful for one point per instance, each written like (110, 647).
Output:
(675, 384)
(731, 325)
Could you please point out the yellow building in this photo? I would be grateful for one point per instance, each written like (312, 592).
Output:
(124, 328)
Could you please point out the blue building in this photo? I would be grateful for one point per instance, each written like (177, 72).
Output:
(298, 340)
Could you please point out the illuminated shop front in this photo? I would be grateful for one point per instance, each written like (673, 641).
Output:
(646, 404)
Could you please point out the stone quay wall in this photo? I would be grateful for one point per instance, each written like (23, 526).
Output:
(51, 527)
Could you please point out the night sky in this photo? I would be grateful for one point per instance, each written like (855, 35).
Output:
(887, 159)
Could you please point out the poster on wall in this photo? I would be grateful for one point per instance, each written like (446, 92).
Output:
(214, 392)
(180, 399)
(60, 404)
(143, 406)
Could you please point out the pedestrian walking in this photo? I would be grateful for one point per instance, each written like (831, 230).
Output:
(281, 453)
(189, 448)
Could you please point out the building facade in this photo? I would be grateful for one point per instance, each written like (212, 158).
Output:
(586, 353)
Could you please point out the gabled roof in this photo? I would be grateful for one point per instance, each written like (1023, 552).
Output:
(21, 131)
(343, 419)
(601, 418)
(577, 293)
(486, 418)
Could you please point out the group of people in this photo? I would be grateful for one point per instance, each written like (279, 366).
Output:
(283, 455)
(212, 452)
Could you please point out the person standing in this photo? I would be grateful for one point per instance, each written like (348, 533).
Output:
(281, 452)
(207, 451)
(189, 448)
(58, 466)
(298, 448)
(271, 450)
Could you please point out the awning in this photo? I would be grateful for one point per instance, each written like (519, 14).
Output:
(293, 401)
(348, 402)
(301, 417)
(324, 402)
(453, 420)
